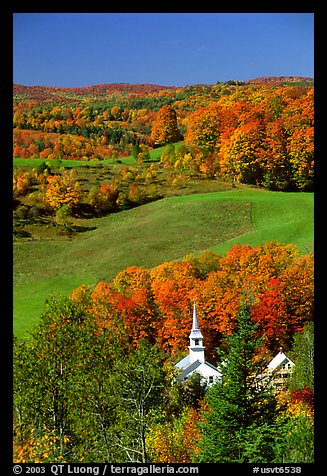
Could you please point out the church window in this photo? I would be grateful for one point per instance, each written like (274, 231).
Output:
(196, 341)
(210, 378)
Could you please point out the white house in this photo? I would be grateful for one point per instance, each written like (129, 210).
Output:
(280, 368)
(195, 360)
(278, 371)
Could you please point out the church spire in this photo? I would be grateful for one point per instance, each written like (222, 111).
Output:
(196, 340)
(195, 319)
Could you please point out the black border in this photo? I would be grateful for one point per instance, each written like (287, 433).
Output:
(6, 37)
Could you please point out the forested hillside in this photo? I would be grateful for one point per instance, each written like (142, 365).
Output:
(96, 382)
(256, 133)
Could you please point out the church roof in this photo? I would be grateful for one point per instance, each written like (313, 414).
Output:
(184, 363)
(188, 368)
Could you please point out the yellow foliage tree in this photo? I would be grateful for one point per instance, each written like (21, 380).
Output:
(38, 447)
(62, 190)
(21, 182)
(175, 442)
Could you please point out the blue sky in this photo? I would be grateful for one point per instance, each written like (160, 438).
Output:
(83, 49)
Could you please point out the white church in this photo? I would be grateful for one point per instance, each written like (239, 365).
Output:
(277, 373)
(195, 360)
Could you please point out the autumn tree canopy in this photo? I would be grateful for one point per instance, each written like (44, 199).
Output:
(164, 128)
(156, 304)
(61, 190)
(99, 366)
(260, 134)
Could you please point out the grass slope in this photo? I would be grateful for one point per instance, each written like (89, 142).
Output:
(149, 235)
(129, 160)
(276, 216)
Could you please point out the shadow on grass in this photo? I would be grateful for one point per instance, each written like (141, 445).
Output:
(21, 233)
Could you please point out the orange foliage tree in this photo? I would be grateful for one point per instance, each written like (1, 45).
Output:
(104, 198)
(175, 442)
(203, 128)
(156, 304)
(173, 288)
(21, 182)
(164, 128)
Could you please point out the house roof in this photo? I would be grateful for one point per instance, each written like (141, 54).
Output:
(278, 360)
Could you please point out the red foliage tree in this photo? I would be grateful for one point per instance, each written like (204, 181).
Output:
(157, 304)
(304, 395)
(270, 314)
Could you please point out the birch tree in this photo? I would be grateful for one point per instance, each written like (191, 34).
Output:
(141, 395)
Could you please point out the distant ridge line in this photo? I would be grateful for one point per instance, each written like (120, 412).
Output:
(99, 89)
(280, 79)
(102, 90)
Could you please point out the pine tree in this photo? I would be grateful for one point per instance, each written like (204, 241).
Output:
(238, 407)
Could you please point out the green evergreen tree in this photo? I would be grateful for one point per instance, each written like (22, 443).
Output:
(239, 408)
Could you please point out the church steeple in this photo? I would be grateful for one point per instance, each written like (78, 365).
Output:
(196, 340)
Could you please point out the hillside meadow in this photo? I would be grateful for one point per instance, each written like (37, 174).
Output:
(164, 230)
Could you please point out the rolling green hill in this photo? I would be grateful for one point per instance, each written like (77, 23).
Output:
(156, 232)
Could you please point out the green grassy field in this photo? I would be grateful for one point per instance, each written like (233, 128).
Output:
(129, 160)
(151, 234)
(276, 216)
